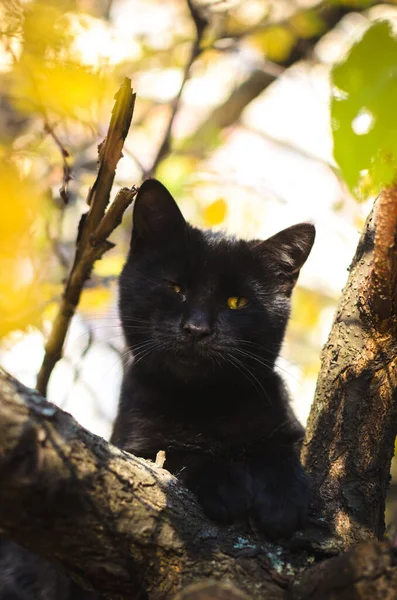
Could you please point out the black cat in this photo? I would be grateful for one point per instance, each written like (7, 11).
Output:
(204, 317)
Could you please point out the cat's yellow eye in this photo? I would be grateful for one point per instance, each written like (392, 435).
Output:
(236, 302)
(177, 288)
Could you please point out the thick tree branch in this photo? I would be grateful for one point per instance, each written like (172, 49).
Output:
(95, 227)
(353, 422)
(210, 590)
(366, 572)
(113, 522)
(126, 528)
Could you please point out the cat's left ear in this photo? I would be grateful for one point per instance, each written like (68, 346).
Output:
(288, 250)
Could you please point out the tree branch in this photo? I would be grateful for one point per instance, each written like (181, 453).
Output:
(364, 573)
(207, 133)
(114, 522)
(200, 24)
(67, 171)
(94, 228)
(127, 529)
(353, 421)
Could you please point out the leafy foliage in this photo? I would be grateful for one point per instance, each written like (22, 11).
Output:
(22, 298)
(49, 76)
(363, 105)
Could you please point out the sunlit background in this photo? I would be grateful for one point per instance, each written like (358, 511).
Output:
(250, 153)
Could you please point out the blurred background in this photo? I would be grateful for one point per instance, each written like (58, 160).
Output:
(233, 114)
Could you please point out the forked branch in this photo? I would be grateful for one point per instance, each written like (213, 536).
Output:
(95, 228)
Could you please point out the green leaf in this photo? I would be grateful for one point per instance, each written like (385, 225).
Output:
(363, 112)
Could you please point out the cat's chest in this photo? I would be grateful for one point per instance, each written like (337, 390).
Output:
(217, 419)
(200, 426)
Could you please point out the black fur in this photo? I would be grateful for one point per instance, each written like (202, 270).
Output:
(202, 384)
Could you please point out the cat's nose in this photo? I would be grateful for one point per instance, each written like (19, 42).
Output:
(197, 325)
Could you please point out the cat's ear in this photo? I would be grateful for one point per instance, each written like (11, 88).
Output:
(156, 215)
(288, 251)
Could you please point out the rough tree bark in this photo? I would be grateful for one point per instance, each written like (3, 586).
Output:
(113, 522)
(124, 527)
(353, 421)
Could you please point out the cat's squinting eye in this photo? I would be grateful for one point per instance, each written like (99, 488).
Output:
(236, 302)
(176, 288)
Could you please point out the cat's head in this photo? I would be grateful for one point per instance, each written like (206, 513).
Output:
(195, 304)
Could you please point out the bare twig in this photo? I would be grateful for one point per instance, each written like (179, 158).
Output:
(109, 155)
(114, 214)
(200, 24)
(94, 229)
(67, 171)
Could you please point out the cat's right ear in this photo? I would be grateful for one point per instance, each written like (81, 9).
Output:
(156, 216)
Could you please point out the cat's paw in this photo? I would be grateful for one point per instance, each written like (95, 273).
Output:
(281, 503)
(278, 518)
(224, 491)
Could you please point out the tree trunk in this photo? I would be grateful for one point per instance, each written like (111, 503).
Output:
(353, 421)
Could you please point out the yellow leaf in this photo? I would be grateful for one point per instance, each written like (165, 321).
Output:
(95, 299)
(306, 308)
(20, 203)
(109, 265)
(275, 42)
(66, 89)
(21, 208)
(21, 302)
(44, 27)
(307, 23)
(215, 213)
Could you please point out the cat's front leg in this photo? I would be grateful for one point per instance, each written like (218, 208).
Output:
(281, 493)
(223, 488)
